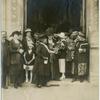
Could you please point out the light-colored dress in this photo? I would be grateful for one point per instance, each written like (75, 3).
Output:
(62, 65)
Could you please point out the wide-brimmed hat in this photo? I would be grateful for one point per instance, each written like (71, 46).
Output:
(62, 35)
(81, 34)
(4, 34)
(28, 30)
(74, 34)
(80, 38)
(43, 36)
(67, 33)
(36, 35)
(15, 32)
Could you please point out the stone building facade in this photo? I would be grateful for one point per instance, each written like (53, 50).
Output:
(13, 18)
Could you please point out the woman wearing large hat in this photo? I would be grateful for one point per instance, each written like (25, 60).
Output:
(62, 54)
(42, 64)
(16, 58)
(81, 58)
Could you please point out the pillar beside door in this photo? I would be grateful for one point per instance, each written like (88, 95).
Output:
(92, 33)
(12, 15)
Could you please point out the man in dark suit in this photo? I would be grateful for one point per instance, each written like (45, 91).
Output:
(5, 59)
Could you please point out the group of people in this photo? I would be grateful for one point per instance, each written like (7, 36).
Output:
(38, 58)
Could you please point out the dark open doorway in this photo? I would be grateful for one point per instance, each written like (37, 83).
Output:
(62, 15)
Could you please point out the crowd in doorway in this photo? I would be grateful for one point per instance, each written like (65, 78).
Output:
(38, 58)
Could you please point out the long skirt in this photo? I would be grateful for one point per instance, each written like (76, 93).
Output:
(62, 65)
(54, 64)
(4, 75)
(80, 70)
(40, 79)
(69, 69)
(16, 74)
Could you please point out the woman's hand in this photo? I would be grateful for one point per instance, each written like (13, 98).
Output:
(21, 51)
(80, 50)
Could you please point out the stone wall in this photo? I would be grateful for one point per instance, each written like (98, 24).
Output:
(12, 15)
(92, 22)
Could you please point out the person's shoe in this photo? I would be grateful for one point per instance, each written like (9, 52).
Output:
(30, 82)
(26, 81)
(81, 80)
(39, 86)
(20, 85)
(74, 80)
(5, 87)
(16, 86)
(62, 77)
(45, 85)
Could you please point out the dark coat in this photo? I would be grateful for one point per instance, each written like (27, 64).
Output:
(83, 56)
(5, 56)
(54, 63)
(39, 67)
(81, 59)
(16, 57)
(62, 53)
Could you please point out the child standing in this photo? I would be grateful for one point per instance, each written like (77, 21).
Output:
(29, 57)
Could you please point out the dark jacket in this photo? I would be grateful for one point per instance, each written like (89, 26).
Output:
(40, 67)
(5, 55)
(16, 57)
(81, 57)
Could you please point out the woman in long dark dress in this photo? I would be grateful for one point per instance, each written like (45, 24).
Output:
(55, 74)
(42, 64)
(16, 58)
(81, 58)
(70, 45)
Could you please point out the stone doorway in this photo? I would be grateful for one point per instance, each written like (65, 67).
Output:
(61, 15)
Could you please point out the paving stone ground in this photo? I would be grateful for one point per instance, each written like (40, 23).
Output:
(59, 90)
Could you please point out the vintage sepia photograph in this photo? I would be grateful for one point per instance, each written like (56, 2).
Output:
(49, 49)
